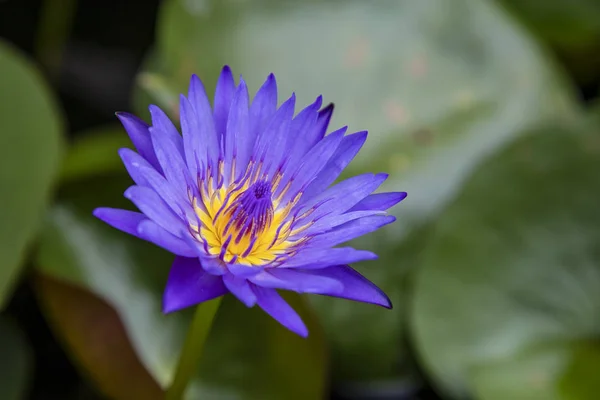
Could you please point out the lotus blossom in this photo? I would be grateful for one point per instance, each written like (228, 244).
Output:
(246, 201)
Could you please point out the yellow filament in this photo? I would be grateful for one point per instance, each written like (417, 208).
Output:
(272, 242)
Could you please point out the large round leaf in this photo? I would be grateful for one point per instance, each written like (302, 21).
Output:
(509, 289)
(435, 83)
(15, 361)
(247, 355)
(30, 144)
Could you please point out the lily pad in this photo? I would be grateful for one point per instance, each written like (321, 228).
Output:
(247, 355)
(509, 287)
(30, 150)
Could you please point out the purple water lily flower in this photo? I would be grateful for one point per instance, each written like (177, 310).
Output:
(244, 200)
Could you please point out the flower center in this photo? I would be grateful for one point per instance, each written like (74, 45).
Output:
(243, 223)
(250, 214)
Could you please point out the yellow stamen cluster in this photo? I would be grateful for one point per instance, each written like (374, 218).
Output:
(221, 238)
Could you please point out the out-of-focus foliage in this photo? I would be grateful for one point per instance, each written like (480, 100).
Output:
(30, 147)
(15, 361)
(509, 285)
(570, 27)
(566, 23)
(92, 331)
(95, 151)
(434, 82)
(244, 345)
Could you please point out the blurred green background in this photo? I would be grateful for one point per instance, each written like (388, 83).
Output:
(484, 111)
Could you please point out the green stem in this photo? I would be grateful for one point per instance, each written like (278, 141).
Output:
(192, 348)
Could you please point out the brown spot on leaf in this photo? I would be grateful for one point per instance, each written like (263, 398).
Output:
(418, 66)
(423, 136)
(395, 112)
(357, 53)
(399, 162)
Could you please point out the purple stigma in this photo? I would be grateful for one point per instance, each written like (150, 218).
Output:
(252, 212)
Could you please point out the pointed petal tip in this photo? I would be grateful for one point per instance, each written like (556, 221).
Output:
(317, 103)
(196, 86)
(107, 214)
(369, 255)
(302, 332)
(388, 304)
(247, 301)
(123, 152)
(143, 227)
(154, 111)
(383, 301)
(328, 109)
(171, 302)
(356, 287)
(168, 308)
(125, 117)
(274, 305)
(226, 74)
(241, 289)
(270, 82)
(401, 196)
(340, 132)
(361, 135)
(290, 102)
(128, 194)
(99, 212)
(382, 175)
(299, 328)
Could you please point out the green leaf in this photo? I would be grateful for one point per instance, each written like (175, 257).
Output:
(580, 380)
(566, 23)
(570, 27)
(513, 267)
(247, 356)
(532, 375)
(436, 84)
(15, 361)
(30, 149)
(95, 153)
